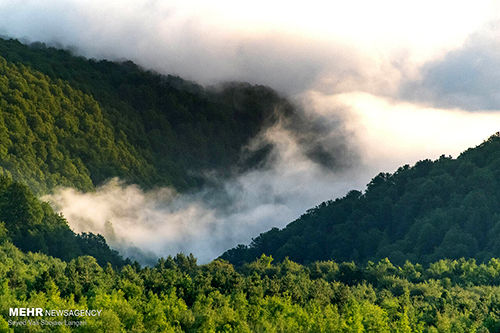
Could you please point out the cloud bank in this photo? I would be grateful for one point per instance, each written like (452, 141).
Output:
(467, 77)
(291, 46)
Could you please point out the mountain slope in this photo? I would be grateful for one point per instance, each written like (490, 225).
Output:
(53, 135)
(69, 121)
(448, 208)
(143, 127)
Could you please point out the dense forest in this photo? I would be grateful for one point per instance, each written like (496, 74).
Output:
(179, 295)
(71, 121)
(448, 208)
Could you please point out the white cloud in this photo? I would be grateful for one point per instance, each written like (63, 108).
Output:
(390, 133)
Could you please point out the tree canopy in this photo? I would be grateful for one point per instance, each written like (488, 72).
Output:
(70, 121)
(177, 295)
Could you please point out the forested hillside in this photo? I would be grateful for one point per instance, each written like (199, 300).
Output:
(32, 225)
(53, 135)
(70, 121)
(448, 208)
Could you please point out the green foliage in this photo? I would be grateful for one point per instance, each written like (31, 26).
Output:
(69, 121)
(53, 135)
(446, 208)
(179, 296)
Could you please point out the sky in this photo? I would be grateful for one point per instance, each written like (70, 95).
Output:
(399, 81)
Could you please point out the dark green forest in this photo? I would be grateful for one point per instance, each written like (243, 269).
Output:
(448, 208)
(71, 121)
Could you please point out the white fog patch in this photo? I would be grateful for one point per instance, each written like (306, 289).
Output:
(162, 222)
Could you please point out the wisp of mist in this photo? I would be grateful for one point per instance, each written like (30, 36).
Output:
(145, 225)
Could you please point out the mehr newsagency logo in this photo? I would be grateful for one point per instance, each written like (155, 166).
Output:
(47, 313)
